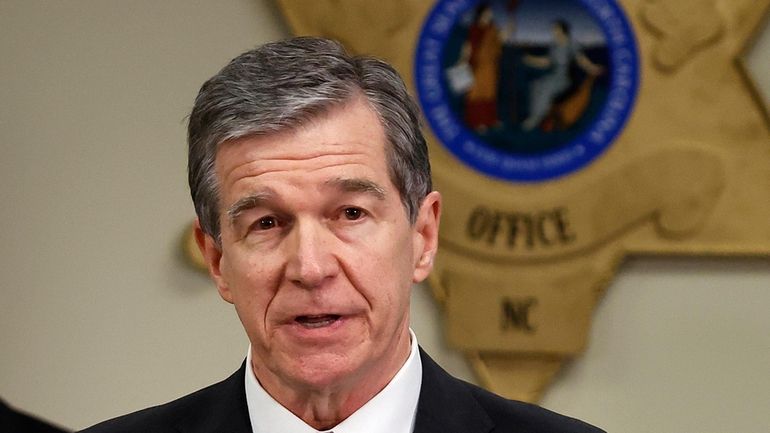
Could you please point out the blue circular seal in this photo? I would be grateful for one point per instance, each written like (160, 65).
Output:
(527, 90)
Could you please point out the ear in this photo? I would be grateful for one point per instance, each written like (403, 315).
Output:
(426, 236)
(212, 256)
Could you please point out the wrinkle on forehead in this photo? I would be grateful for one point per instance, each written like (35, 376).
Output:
(286, 163)
(346, 130)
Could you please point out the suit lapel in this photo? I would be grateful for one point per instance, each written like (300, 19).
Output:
(222, 408)
(445, 405)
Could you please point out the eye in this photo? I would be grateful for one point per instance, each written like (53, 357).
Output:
(266, 223)
(353, 213)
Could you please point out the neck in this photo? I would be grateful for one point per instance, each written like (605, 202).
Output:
(325, 407)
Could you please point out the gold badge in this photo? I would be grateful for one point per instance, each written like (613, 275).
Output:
(566, 135)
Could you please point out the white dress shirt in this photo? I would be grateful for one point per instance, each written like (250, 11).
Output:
(392, 410)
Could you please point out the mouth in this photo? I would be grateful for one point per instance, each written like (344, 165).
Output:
(317, 321)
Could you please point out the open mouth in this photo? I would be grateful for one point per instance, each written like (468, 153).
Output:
(317, 321)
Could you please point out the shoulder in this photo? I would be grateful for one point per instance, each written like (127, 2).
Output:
(450, 402)
(525, 417)
(206, 406)
(12, 420)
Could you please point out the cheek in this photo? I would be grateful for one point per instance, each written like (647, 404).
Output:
(252, 283)
(388, 268)
(249, 268)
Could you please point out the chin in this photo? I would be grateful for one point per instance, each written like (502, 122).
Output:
(321, 370)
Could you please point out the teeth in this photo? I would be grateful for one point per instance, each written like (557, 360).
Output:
(317, 321)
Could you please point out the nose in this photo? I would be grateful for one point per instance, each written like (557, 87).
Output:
(310, 256)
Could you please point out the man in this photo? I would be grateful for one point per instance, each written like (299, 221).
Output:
(311, 182)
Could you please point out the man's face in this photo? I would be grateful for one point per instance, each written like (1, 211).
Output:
(317, 253)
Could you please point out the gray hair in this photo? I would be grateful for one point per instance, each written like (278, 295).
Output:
(280, 85)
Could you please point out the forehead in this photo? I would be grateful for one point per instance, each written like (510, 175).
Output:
(346, 137)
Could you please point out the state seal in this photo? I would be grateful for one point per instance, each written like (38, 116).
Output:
(526, 90)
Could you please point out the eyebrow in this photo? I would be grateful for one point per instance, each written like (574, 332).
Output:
(249, 202)
(358, 185)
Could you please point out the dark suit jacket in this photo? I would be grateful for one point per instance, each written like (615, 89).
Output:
(446, 405)
(12, 420)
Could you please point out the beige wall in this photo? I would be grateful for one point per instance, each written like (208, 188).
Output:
(99, 315)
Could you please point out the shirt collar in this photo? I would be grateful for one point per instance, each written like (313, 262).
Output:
(392, 410)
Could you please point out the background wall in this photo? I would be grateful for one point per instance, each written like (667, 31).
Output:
(99, 314)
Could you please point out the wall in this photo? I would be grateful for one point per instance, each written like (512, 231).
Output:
(99, 315)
